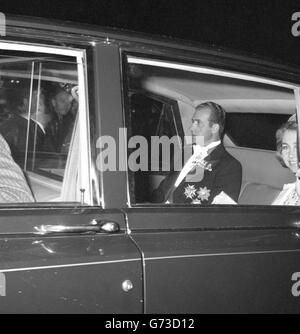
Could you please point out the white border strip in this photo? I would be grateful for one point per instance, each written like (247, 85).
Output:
(5, 271)
(206, 70)
(221, 254)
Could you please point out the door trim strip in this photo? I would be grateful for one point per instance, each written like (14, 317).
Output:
(220, 254)
(67, 266)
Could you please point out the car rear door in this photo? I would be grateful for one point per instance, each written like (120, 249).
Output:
(67, 272)
(73, 254)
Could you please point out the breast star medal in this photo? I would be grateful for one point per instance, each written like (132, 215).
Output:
(197, 196)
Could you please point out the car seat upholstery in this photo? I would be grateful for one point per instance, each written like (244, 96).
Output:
(263, 175)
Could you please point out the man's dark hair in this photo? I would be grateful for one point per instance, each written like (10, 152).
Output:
(15, 98)
(217, 115)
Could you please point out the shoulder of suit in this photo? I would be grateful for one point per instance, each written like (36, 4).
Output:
(231, 159)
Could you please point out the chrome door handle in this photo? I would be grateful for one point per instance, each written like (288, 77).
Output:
(94, 227)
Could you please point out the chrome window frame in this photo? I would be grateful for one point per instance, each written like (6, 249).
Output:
(80, 56)
(140, 60)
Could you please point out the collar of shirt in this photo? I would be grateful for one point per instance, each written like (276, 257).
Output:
(37, 122)
(204, 151)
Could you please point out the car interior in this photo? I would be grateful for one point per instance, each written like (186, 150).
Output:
(255, 110)
(51, 175)
(163, 101)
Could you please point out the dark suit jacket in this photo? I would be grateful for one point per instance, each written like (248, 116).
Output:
(226, 175)
(59, 133)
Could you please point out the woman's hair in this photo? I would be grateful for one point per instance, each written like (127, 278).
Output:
(291, 124)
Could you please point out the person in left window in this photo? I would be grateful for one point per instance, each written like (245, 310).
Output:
(63, 109)
(26, 120)
(13, 185)
(217, 172)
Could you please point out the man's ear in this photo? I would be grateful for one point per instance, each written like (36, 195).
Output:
(53, 103)
(216, 128)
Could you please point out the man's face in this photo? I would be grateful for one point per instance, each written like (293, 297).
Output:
(202, 131)
(62, 103)
(34, 99)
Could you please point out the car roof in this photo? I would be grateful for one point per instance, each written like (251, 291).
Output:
(41, 28)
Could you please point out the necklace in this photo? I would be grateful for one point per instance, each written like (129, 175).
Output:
(293, 199)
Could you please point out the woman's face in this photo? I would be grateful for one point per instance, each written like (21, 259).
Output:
(62, 103)
(289, 150)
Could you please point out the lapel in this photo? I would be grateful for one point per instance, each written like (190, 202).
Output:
(209, 163)
(213, 159)
(216, 156)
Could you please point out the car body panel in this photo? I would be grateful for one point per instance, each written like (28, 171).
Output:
(222, 283)
(200, 263)
(108, 108)
(69, 273)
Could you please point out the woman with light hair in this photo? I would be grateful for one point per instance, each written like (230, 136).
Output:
(287, 154)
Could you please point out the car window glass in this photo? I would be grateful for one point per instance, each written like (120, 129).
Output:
(238, 125)
(246, 172)
(153, 116)
(38, 111)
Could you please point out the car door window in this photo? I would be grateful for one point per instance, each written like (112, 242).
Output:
(255, 109)
(153, 116)
(39, 120)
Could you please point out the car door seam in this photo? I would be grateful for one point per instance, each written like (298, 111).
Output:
(129, 234)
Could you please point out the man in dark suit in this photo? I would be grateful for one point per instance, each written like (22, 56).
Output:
(21, 136)
(210, 171)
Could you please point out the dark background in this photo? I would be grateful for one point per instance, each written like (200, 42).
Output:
(256, 27)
